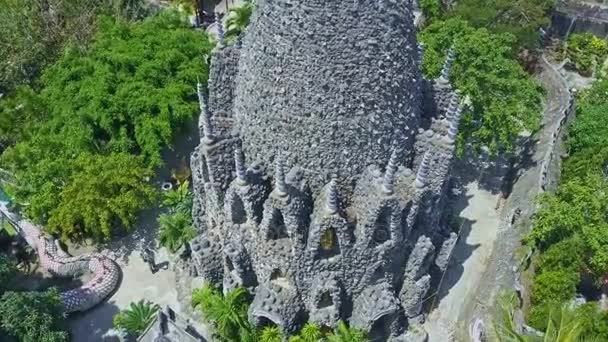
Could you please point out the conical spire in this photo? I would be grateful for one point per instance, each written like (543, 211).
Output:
(220, 30)
(447, 66)
(453, 104)
(454, 122)
(239, 165)
(388, 183)
(279, 176)
(423, 170)
(332, 197)
(204, 122)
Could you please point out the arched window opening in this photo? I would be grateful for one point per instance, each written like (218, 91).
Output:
(229, 264)
(278, 277)
(377, 276)
(325, 300)
(237, 211)
(382, 226)
(277, 229)
(263, 322)
(329, 243)
(380, 330)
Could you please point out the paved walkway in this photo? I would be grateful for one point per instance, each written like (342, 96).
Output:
(485, 255)
(137, 283)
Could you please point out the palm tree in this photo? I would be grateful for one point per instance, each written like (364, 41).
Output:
(271, 334)
(228, 313)
(238, 19)
(344, 333)
(309, 333)
(175, 230)
(137, 317)
(563, 325)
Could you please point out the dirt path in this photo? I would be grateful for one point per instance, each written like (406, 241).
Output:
(484, 258)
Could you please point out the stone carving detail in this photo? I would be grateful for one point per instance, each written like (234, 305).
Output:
(59, 263)
(322, 186)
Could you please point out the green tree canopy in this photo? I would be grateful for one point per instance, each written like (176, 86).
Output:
(521, 18)
(505, 100)
(33, 32)
(114, 107)
(33, 316)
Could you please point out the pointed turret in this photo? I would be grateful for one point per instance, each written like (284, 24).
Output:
(453, 105)
(388, 183)
(454, 122)
(204, 123)
(239, 166)
(220, 30)
(332, 197)
(423, 170)
(447, 66)
(280, 185)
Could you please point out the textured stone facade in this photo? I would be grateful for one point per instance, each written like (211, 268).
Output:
(319, 180)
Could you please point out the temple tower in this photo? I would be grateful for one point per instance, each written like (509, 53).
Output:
(318, 186)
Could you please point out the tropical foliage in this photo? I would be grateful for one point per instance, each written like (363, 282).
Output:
(238, 19)
(176, 226)
(344, 333)
(33, 316)
(564, 324)
(505, 101)
(585, 52)
(115, 106)
(570, 229)
(521, 18)
(37, 30)
(309, 333)
(104, 193)
(175, 230)
(8, 268)
(228, 313)
(137, 317)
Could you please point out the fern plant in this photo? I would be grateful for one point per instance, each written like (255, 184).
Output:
(271, 334)
(309, 333)
(344, 333)
(179, 199)
(238, 19)
(175, 230)
(137, 317)
(228, 313)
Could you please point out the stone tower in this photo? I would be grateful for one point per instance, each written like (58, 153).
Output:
(319, 180)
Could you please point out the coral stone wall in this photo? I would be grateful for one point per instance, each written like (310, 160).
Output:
(332, 83)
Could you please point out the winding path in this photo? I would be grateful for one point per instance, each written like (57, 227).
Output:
(494, 241)
(106, 273)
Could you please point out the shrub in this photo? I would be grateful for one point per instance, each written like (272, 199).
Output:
(586, 52)
(175, 230)
(33, 316)
(137, 317)
(554, 286)
(116, 105)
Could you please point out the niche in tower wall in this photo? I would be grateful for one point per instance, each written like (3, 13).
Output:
(329, 246)
(263, 321)
(237, 211)
(276, 227)
(382, 225)
(380, 329)
(325, 301)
